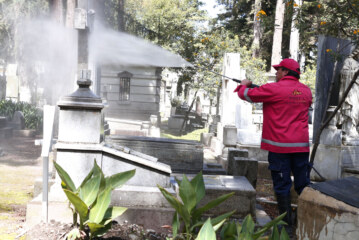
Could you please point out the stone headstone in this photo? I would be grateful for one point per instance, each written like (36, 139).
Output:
(231, 68)
(205, 138)
(232, 153)
(175, 122)
(3, 122)
(247, 167)
(2, 87)
(18, 121)
(246, 133)
(229, 135)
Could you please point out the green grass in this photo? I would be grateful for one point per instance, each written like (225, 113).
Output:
(194, 135)
(16, 184)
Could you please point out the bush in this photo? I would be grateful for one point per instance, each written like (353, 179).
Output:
(175, 102)
(91, 200)
(33, 116)
(188, 216)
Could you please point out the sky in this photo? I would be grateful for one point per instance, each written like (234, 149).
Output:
(209, 6)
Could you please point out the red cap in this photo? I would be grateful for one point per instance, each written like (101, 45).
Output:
(288, 63)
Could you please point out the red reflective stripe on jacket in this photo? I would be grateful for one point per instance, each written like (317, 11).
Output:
(285, 114)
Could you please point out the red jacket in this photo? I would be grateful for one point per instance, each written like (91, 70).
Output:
(285, 114)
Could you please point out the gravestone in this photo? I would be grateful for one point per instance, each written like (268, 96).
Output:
(18, 121)
(2, 87)
(247, 167)
(232, 69)
(232, 153)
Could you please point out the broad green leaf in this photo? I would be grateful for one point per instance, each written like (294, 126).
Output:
(117, 180)
(94, 227)
(284, 235)
(89, 175)
(229, 231)
(248, 225)
(198, 185)
(89, 191)
(266, 227)
(220, 218)
(67, 181)
(98, 230)
(112, 213)
(79, 205)
(97, 171)
(198, 212)
(177, 205)
(178, 181)
(239, 229)
(207, 232)
(275, 233)
(99, 209)
(217, 226)
(74, 234)
(216, 220)
(175, 225)
(187, 194)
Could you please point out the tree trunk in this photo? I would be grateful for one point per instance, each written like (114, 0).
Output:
(56, 9)
(120, 16)
(277, 37)
(294, 34)
(256, 28)
(70, 11)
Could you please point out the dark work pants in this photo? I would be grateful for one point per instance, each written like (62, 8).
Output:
(281, 166)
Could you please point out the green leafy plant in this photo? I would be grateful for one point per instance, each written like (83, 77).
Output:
(188, 216)
(208, 232)
(33, 116)
(91, 200)
(246, 231)
(176, 102)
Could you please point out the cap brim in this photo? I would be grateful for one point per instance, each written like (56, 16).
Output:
(276, 66)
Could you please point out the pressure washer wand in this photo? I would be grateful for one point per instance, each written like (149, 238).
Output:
(233, 79)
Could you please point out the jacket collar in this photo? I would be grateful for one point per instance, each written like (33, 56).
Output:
(289, 78)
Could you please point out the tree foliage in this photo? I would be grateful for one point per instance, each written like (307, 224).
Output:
(12, 13)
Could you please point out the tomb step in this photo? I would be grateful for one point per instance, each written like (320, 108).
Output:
(349, 172)
(3, 122)
(213, 169)
(6, 132)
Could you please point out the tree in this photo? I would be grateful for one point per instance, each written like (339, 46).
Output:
(256, 28)
(174, 25)
(278, 31)
(57, 10)
(294, 35)
(12, 14)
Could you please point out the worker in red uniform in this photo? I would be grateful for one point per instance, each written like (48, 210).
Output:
(285, 130)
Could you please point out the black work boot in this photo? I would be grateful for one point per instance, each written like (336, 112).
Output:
(285, 206)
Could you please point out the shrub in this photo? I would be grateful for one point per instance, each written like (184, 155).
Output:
(33, 116)
(91, 200)
(187, 214)
(175, 102)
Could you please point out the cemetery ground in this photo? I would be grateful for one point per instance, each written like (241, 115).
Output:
(20, 165)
